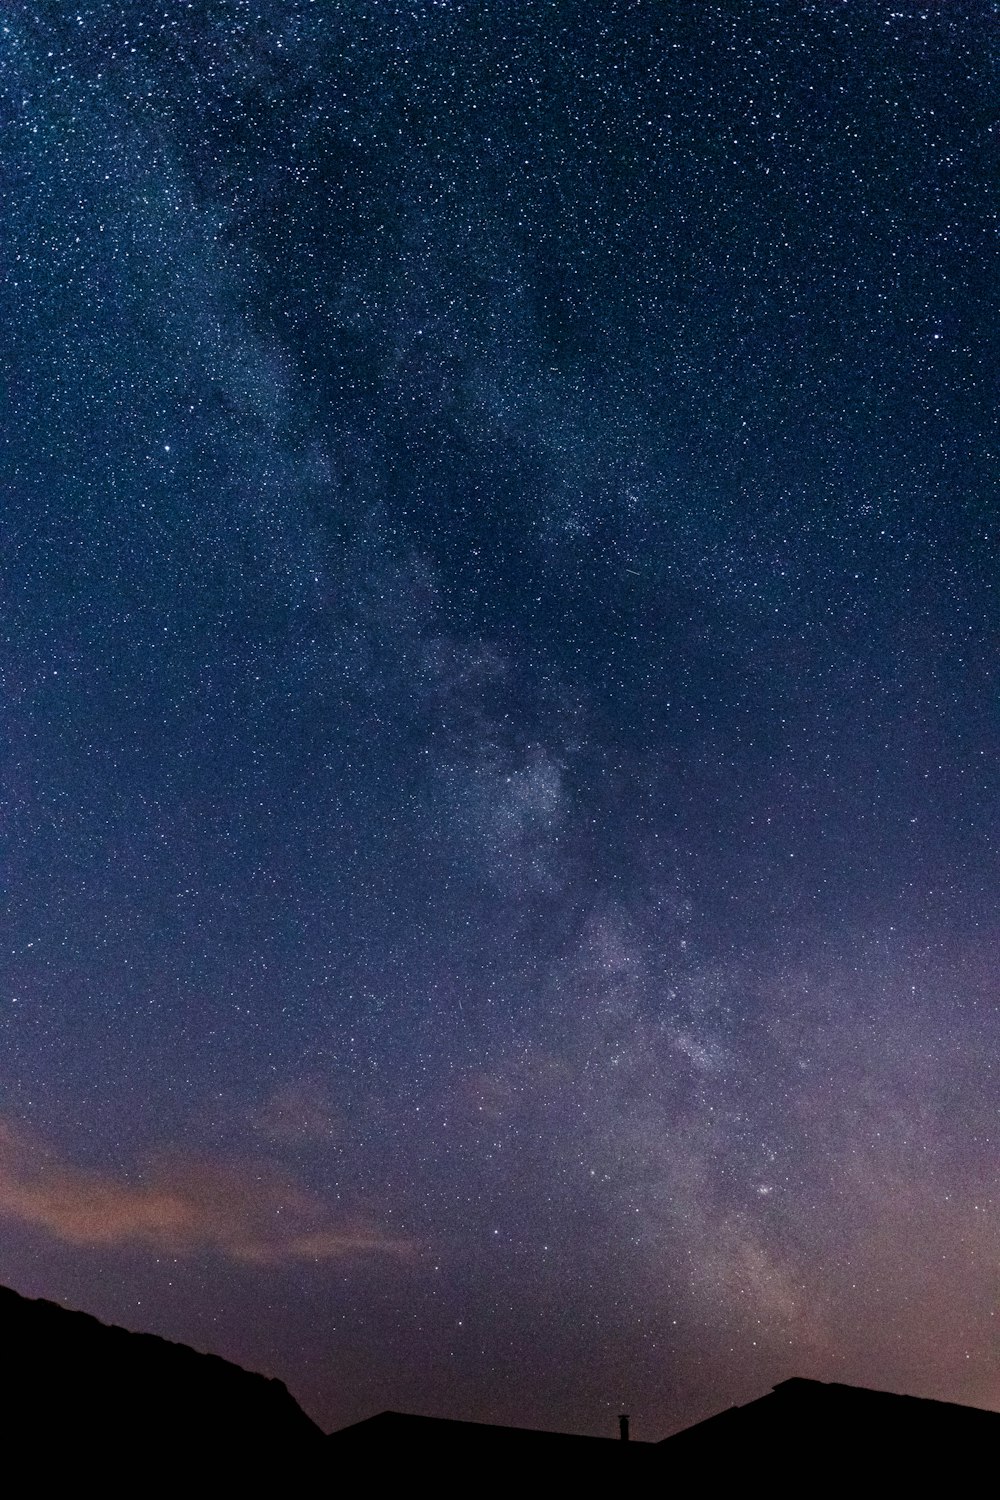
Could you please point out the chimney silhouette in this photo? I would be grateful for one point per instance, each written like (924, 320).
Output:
(623, 1427)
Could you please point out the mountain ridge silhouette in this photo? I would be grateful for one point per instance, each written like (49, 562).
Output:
(83, 1399)
(115, 1396)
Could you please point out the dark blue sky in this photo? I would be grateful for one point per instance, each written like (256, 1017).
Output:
(499, 631)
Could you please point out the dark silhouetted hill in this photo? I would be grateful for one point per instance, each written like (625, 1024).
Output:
(830, 1439)
(85, 1404)
(83, 1398)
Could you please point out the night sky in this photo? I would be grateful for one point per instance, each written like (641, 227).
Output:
(498, 736)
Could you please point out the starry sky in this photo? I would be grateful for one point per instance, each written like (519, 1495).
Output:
(497, 665)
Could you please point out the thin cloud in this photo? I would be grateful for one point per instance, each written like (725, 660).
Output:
(248, 1213)
(299, 1111)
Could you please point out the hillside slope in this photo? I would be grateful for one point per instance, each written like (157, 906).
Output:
(83, 1395)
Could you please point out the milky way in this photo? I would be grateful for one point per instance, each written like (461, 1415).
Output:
(498, 688)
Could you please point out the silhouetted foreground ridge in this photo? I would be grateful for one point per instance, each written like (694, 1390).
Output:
(84, 1396)
(87, 1402)
(807, 1436)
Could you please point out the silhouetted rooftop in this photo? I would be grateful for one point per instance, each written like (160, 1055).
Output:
(838, 1434)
